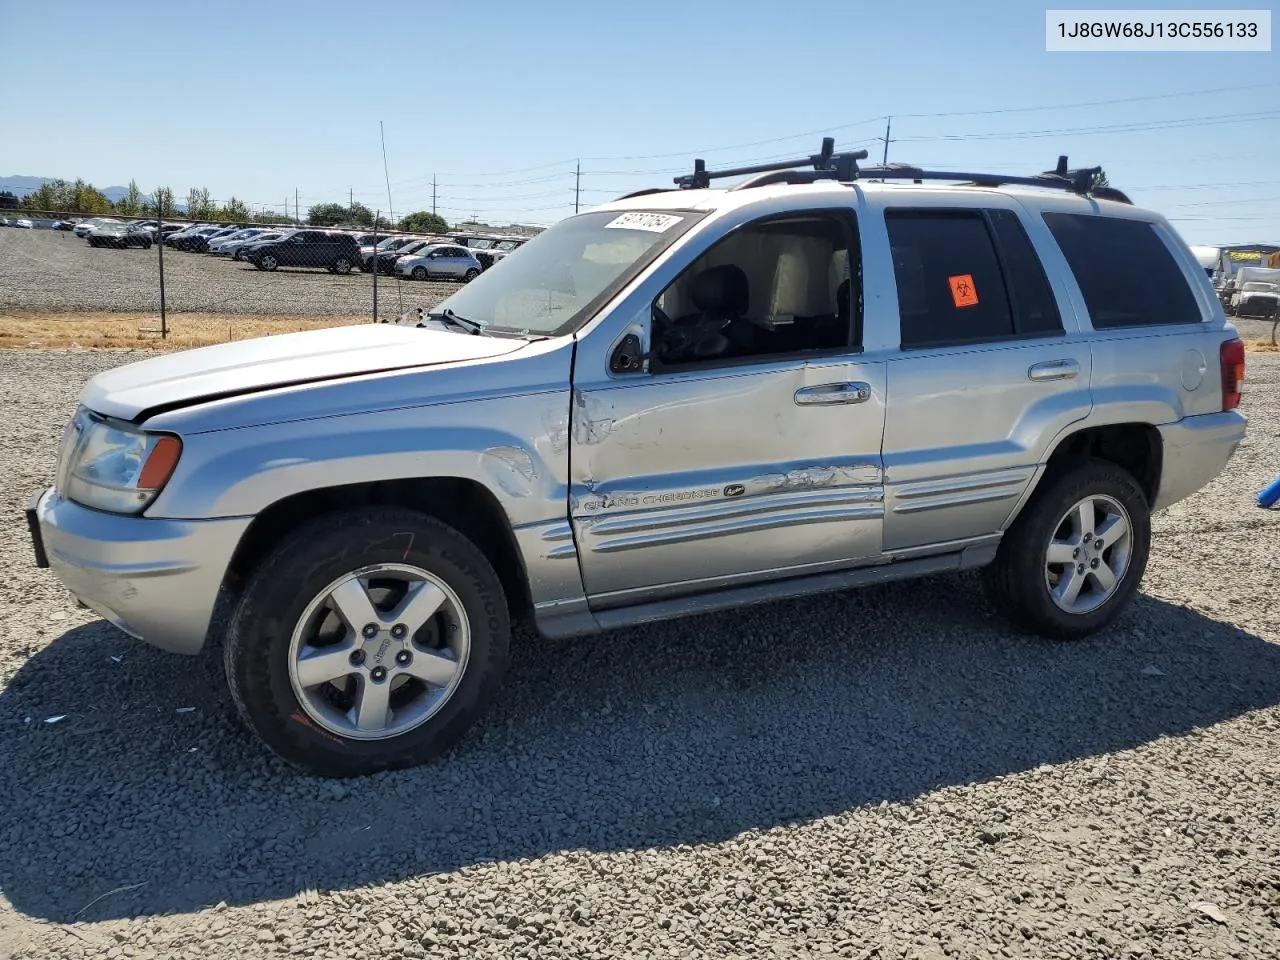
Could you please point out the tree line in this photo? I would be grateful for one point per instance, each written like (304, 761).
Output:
(79, 197)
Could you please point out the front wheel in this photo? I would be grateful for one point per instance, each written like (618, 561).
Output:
(266, 262)
(419, 273)
(1072, 561)
(342, 265)
(368, 640)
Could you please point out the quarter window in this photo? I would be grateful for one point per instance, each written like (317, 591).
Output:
(1126, 274)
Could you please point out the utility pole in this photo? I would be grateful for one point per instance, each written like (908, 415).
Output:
(577, 185)
(351, 201)
(888, 121)
(433, 194)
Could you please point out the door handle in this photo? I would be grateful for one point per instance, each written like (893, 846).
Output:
(1053, 370)
(857, 392)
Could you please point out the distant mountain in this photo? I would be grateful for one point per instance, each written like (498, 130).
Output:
(20, 186)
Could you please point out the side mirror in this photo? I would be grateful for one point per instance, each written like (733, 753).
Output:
(626, 357)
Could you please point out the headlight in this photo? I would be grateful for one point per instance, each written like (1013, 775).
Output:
(114, 466)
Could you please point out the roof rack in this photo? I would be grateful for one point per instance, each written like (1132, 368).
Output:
(835, 166)
(843, 168)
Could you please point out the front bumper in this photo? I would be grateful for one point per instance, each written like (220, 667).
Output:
(155, 579)
(1196, 450)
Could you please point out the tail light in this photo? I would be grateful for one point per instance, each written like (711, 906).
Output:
(1231, 356)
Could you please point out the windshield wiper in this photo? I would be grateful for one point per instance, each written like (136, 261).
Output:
(471, 326)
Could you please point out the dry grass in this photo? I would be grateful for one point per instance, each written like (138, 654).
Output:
(116, 331)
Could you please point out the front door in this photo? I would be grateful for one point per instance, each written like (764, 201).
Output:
(750, 448)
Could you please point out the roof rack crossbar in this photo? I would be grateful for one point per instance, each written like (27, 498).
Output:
(827, 160)
(843, 167)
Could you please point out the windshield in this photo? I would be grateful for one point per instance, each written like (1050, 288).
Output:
(388, 243)
(550, 285)
(480, 244)
(1260, 286)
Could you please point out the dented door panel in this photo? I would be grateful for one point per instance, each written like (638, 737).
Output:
(687, 482)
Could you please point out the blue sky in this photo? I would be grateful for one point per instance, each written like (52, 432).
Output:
(500, 99)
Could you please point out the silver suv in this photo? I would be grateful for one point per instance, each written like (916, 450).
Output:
(681, 401)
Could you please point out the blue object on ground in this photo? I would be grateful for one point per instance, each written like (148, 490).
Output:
(1270, 494)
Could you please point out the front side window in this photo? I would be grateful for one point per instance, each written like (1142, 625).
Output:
(775, 288)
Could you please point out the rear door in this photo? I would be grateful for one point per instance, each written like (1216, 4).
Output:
(987, 372)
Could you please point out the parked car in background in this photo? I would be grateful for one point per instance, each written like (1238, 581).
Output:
(235, 248)
(82, 228)
(219, 244)
(334, 251)
(194, 239)
(67, 225)
(1258, 294)
(440, 261)
(200, 242)
(23, 223)
(120, 235)
(386, 260)
(384, 245)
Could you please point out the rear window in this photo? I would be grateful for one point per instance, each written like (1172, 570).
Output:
(1125, 272)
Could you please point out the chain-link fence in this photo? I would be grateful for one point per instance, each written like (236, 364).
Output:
(114, 280)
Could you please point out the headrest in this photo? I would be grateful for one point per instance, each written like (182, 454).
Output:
(721, 289)
(842, 299)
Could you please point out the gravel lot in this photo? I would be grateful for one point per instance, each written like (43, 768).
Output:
(57, 272)
(885, 773)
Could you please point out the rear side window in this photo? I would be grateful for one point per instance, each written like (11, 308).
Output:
(950, 289)
(1035, 311)
(1126, 274)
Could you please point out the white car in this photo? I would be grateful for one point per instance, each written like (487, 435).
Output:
(23, 224)
(85, 227)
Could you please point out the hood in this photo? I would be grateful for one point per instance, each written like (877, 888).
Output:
(248, 366)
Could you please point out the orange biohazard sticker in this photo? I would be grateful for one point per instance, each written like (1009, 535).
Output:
(963, 292)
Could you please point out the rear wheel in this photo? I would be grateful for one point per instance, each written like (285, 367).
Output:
(1072, 561)
(368, 640)
(470, 275)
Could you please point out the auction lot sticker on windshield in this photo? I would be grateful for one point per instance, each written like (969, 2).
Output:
(653, 222)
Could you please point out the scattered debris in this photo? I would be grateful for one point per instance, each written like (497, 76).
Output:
(1210, 910)
(185, 710)
(1151, 670)
(58, 718)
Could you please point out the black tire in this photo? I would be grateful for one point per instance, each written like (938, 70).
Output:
(470, 275)
(1015, 583)
(419, 273)
(266, 262)
(342, 265)
(256, 651)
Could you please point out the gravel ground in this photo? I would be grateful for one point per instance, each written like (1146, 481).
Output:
(57, 272)
(885, 773)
